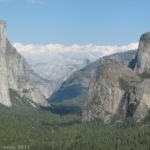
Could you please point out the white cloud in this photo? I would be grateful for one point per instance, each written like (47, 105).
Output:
(50, 52)
(36, 1)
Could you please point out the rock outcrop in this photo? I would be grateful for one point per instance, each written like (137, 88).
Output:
(16, 74)
(136, 101)
(107, 89)
(77, 84)
(143, 56)
(4, 90)
(118, 91)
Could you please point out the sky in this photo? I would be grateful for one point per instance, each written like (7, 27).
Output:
(74, 28)
(98, 22)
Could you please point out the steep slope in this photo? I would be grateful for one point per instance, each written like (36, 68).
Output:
(58, 71)
(142, 59)
(77, 84)
(117, 91)
(16, 74)
(46, 86)
(107, 89)
(4, 90)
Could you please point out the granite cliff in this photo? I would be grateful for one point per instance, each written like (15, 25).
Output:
(118, 91)
(77, 85)
(17, 75)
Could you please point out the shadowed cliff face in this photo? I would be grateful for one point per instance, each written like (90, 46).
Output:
(118, 91)
(16, 74)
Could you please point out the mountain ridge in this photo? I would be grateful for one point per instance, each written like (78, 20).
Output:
(81, 78)
(128, 90)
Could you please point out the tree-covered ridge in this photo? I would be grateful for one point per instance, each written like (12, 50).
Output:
(42, 130)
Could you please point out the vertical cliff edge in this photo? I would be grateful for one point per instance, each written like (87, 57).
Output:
(17, 75)
(118, 91)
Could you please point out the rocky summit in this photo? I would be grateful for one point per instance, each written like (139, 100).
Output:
(118, 91)
(143, 56)
(16, 75)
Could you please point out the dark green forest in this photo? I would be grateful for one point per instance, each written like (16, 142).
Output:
(43, 130)
(24, 127)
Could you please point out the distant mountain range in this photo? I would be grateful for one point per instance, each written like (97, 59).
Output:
(78, 83)
(119, 91)
(111, 88)
(56, 62)
(58, 71)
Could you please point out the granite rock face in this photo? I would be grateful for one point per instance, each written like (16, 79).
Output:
(143, 55)
(136, 102)
(16, 74)
(4, 85)
(107, 89)
(78, 83)
(118, 91)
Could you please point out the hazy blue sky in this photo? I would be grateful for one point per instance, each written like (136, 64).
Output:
(75, 21)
